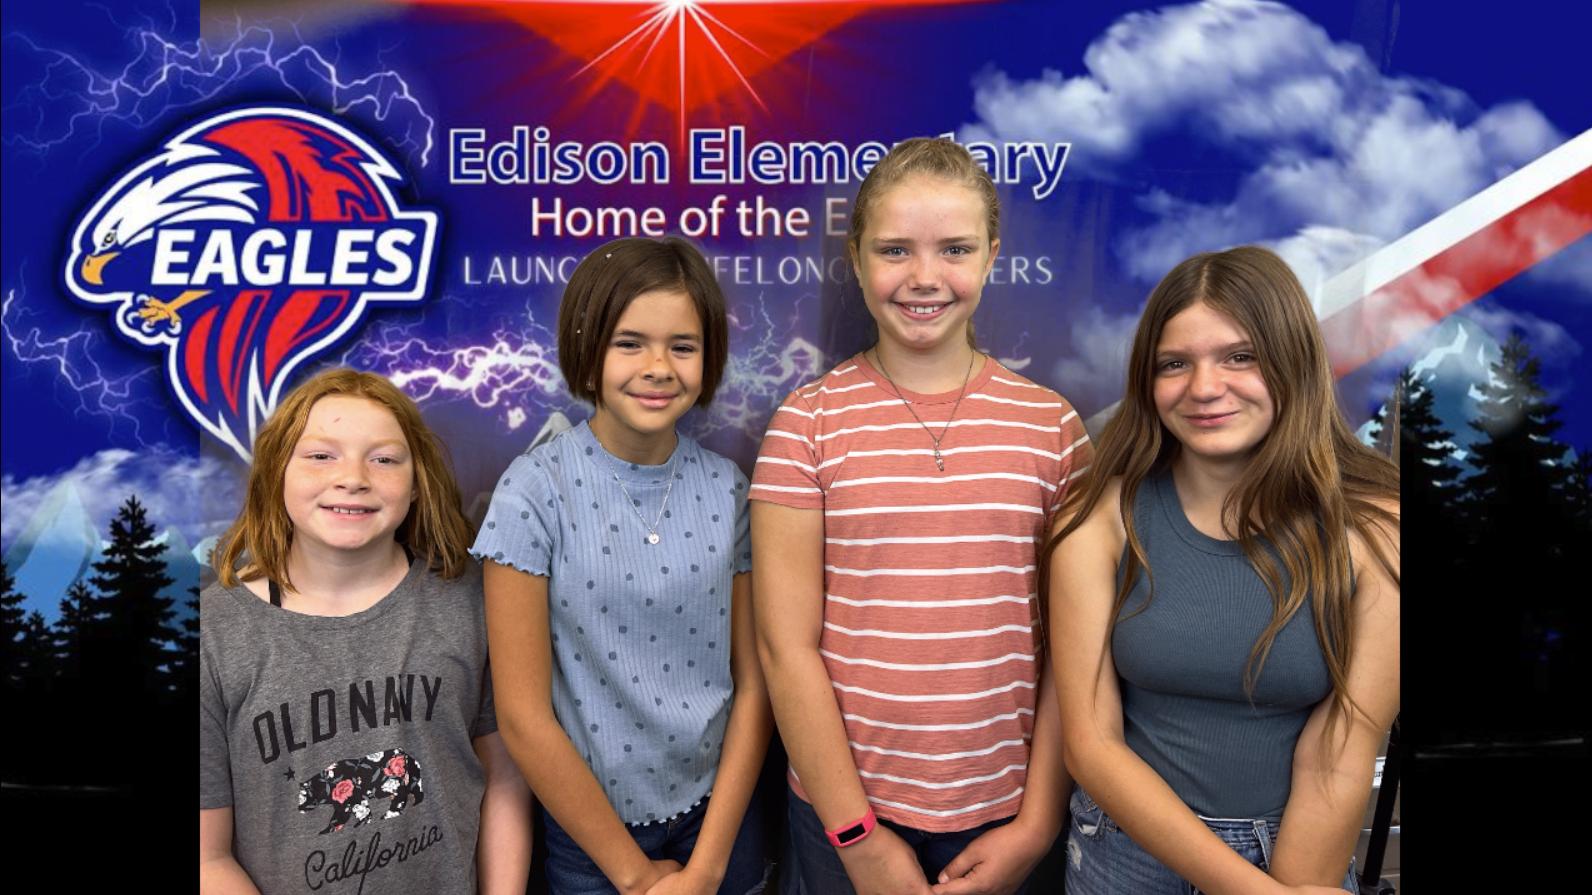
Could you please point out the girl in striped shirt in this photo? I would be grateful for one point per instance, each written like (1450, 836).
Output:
(897, 506)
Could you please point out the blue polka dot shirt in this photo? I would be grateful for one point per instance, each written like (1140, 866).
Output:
(641, 632)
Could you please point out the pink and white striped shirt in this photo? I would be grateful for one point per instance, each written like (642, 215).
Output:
(929, 576)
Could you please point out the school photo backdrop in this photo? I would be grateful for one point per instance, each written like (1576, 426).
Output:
(432, 172)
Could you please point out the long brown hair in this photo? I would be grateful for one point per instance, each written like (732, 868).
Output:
(435, 529)
(934, 157)
(1308, 483)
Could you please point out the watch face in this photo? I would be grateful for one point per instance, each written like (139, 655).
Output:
(851, 834)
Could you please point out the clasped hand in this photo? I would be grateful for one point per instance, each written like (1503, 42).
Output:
(995, 863)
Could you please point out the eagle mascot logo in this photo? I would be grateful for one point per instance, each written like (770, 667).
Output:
(248, 244)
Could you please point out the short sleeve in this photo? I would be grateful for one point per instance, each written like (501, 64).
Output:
(1077, 452)
(787, 464)
(215, 758)
(519, 525)
(743, 525)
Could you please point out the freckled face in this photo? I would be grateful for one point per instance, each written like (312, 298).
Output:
(1208, 387)
(922, 260)
(350, 481)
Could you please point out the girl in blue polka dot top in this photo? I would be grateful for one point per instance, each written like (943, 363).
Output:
(618, 591)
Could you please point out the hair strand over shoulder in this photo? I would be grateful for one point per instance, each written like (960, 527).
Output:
(1308, 485)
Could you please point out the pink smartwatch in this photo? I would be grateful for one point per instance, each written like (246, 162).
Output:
(851, 834)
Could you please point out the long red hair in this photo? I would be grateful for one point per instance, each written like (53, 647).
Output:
(435, 529)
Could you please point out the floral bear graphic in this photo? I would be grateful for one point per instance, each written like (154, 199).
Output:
(350, 784)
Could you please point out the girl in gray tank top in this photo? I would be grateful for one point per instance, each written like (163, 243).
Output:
(1223, 603)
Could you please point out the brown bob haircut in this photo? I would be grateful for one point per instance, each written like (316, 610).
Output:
(604, 285)
(435, 529)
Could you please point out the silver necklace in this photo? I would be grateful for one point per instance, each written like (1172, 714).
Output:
(652, 530)
(939, 461)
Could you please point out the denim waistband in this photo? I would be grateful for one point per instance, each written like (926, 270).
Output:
(1241, 831)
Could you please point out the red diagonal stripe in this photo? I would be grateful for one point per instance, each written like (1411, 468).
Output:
(1460, 274)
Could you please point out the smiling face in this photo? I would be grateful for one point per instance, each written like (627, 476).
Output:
(651, 375)
(1208, 387)
(350, 481)
(922, 261)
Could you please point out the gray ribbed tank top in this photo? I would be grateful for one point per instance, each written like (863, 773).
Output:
(1181, 668)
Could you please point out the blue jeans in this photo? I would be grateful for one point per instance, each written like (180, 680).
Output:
(815, 867)
(570, 872)
(1102, 860)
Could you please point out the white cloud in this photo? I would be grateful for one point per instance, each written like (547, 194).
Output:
(1317, 253)
(1093, 370)
(1547, 340)
(197, 495)
(1213, 65)
(1326, 147)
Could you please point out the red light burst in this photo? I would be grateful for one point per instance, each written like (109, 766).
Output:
(680, 54)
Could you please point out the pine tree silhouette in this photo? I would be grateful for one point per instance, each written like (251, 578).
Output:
(11, 628)
(1429, 492)
(37, 654)
(79, 615)
(1580, 490)
(1515, 576)
(128, 646)
(185, 663)
(1519, 503)
(1428, 476)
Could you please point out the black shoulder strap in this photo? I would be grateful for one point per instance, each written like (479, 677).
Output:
(276, 591)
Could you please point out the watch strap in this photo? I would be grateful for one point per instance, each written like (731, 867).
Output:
(853, 833)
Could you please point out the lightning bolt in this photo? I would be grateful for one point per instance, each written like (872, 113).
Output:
(514, 372)
(72, 100)
(71, 104)
(1013, 360)
(759, 375)
(71, 361)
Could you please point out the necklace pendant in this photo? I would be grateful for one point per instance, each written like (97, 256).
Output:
(652, 538)
(939, 462)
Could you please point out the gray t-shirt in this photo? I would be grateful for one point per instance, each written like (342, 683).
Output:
(641, 632)
(343, 744)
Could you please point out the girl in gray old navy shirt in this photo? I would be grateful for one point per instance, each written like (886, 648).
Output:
(617, 560)
(346, 735)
